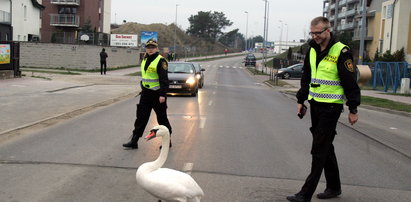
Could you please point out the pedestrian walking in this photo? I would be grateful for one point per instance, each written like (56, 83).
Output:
(103, 61)
(328, 78)
(154, 86)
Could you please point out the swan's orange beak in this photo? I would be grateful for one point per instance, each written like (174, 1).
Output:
(151, 135)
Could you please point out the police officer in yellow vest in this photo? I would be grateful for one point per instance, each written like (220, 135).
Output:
(328, 79)
(154, 85)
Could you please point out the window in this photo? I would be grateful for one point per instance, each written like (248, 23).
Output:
(25, 13)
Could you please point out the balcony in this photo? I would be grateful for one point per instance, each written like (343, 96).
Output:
(64, 20)
(5, 17)
(66, 2)
(368, 35)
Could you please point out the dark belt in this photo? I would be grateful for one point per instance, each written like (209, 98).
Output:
(314, 85)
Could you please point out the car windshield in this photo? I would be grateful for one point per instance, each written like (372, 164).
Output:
(197, 66)
(180, 68)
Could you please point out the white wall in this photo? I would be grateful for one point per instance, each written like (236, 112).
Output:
(107, 17)
(26, 20)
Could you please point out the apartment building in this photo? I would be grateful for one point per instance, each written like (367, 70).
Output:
(5, 20)
(387, 23)
(20, 20)
(65, 21)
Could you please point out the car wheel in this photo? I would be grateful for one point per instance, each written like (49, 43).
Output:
(286, 76)
(194, 93)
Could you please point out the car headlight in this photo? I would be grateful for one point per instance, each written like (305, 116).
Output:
(191, 81)
(280, 71)
(198, 76)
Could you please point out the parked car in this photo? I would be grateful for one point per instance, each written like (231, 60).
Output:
(182, 77)
(250, 60)
(295, 71)
(199, 74)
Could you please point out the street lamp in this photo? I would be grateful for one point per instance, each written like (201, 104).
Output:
(286, 38)
(175, 32)
(281, 35)
(246, 32)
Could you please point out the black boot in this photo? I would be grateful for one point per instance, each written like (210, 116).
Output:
(131, 145)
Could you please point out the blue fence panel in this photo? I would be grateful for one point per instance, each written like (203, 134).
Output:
(389, 74)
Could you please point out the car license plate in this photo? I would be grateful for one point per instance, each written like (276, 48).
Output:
(175, 86)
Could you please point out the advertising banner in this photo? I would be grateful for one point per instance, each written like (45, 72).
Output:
(145, 36)
(5, 53)
(124, 40)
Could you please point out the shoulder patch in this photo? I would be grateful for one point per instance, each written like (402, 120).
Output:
(344, 50)
(348, 65)
(165, 65)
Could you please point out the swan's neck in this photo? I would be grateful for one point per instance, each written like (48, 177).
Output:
(165, 141)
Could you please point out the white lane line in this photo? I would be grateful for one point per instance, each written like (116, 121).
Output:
(235, 67)
(210, 103)
(188, 167)
(202, 122)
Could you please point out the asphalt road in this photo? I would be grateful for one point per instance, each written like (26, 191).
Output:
(239, 139)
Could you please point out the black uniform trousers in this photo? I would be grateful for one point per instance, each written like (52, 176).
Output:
(324, 118)
(149, 100)
(103, 67)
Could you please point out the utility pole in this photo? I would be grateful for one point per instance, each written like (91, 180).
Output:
(175, 32)
(281, 37)
(265, 22)
(362, 32)
(246, 32)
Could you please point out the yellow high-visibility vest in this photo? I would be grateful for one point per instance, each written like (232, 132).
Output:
(325, 83)
(150, 77)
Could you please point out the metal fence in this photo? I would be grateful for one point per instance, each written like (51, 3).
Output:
(388, 75)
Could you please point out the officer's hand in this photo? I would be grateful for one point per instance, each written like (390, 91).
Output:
(352, 118)
(162, 99)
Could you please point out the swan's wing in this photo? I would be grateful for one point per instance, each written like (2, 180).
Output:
(169, 184)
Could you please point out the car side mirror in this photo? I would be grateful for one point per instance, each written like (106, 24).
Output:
(202, 69)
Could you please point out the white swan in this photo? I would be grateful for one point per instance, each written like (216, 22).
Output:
(163, 183)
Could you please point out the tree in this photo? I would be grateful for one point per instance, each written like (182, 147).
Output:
(208, 25)
(290, 53)
(233, 39)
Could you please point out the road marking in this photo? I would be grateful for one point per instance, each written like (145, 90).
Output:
(188, 167)
(227, 66)
(202, 122)
(235, 67)
(210, 103)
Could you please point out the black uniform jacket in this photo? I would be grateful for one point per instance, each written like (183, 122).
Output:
(347, 77)
(161, 71)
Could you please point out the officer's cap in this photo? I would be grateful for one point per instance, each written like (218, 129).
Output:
(151, 42)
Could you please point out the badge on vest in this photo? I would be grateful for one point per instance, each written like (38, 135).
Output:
(151, 70)
(348, 65)
(331, 58)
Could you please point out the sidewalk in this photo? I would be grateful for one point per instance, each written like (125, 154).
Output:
(28, 101)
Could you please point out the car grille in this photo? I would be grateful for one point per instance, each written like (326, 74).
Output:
(177, 81)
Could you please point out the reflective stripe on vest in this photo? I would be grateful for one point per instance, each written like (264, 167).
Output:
(327, 85)
(149, 77)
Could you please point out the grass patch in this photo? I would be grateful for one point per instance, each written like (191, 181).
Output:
(278, 83)
(256, 72)
(214, 58)
(134, 74)
(51, 72)
(41, 77)
(384, 103)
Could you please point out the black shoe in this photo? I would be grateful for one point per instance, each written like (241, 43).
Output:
(161, 146)
(298, 198)
(328, 193)
(131, 145)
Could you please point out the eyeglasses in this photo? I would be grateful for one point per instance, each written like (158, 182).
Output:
(317, 33)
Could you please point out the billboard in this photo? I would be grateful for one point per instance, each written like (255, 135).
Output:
(125, 40)
(145, 36)
(5, 53)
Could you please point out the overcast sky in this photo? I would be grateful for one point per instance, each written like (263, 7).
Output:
(297, 14)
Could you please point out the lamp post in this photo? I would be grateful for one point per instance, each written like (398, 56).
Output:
(265, 26)
(281, 35)
(246, 32)
(175, 32)
(286, 38)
